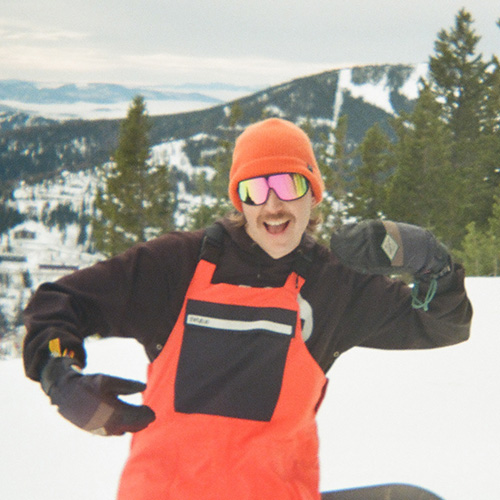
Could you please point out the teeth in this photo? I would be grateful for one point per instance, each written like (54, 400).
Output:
(276, 223)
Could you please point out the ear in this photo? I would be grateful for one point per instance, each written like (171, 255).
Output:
(314, 201)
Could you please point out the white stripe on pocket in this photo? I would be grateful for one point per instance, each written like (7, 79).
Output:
(238, 326)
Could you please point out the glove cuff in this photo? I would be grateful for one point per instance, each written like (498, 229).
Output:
(56, 368)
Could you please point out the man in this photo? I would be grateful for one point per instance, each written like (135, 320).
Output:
(241, 322)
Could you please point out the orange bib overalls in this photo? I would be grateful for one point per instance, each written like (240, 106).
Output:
(235, 392)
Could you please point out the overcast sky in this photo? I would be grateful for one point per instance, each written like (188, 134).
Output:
(254, 42)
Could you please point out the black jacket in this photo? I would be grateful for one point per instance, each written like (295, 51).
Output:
(139, 294)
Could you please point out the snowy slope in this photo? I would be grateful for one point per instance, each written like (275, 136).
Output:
(428, 418)
(375, 91)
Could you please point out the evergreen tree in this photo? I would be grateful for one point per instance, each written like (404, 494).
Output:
(480, 252)
(464, 81)
(477, 251)
(447, 149)
(369, 195)
(335, 163)
(9, 217)
(494, 236)
(489, 142)
(215, 201)
(458, 74)
(422, 189)
(4, 325)
(61, 216)
(481, 247)
(138, 200)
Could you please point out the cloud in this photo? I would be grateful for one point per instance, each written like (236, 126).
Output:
(83, 63)
(17, 31)
(51, 62)
(255, 43)
(243, 70)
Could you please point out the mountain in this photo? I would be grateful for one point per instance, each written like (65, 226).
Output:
(99, 100)
(12, 119)
(101, 93)
(366, 94)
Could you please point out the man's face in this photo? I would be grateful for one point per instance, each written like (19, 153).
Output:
(277, 226)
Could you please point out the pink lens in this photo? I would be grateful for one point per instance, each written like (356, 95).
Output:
(287, 187)
(253, 191)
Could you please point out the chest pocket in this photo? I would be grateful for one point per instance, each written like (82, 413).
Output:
(232, 359)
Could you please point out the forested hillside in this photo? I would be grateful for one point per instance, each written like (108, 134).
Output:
(36, 152)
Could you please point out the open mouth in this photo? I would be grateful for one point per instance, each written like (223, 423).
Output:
(276, 227)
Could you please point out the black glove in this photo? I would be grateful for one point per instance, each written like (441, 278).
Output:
(91, 401)
(385, 247)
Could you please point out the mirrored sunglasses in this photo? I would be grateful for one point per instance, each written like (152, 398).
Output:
(288, 187)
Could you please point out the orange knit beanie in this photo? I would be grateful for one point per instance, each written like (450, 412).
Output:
(269, 147)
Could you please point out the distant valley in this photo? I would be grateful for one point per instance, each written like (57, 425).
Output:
(107, 101)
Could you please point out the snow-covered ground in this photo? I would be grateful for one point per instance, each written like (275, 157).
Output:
(428, 418)
(375, 91)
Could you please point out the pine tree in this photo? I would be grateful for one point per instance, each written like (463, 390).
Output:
(138, 200)
(369, 195)
(213, 193)
(480, 252)
(476, 252)
(335, 163)
(494, 236)
(9, 217)
(464, 81)
(489, 142)
(422, 189)
(4, 325)
(481, 247)
(458, 74)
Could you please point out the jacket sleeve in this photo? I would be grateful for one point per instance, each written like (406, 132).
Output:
(391, 322)
(131, 295)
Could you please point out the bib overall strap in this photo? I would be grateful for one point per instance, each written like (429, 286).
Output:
(303, 262)
(212, 243)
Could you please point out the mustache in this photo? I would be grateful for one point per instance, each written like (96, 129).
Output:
(276, 217)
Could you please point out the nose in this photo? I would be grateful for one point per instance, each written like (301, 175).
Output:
(273, 203)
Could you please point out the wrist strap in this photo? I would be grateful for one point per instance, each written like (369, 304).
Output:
(416, 303)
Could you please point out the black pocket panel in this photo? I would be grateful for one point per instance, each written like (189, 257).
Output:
(232, 360)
